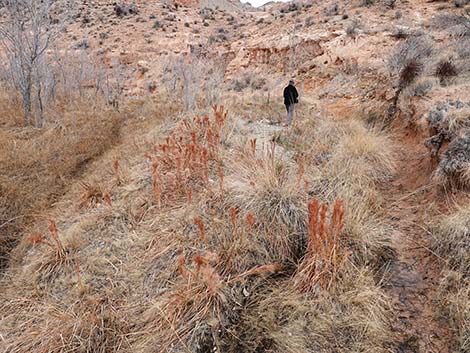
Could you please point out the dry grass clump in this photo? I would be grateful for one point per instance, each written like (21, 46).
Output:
(451, 239)
(350, 317)
(362, 156)
(90, 324)
(347, 161)
(273, 190)
(214, 271)
(455, 25)
(455, 307)
(38, 164)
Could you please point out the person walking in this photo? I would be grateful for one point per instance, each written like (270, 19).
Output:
(291, 97)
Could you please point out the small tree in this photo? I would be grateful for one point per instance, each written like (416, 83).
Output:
(26, 33)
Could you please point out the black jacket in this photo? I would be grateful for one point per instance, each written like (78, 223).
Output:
(290, 95)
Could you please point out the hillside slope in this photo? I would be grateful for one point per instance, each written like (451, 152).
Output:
(208, 226)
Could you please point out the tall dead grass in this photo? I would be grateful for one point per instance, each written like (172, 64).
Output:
(450, 241)
(208, 243)
(39, 164)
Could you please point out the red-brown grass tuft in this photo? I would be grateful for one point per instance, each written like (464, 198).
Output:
(187, 157)
(325, 255)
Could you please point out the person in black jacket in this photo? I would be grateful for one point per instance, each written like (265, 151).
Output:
(291, 97)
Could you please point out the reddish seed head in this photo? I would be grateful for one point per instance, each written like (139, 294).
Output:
(250, 219)
(36, 238)
(200, 261)
(200, 226)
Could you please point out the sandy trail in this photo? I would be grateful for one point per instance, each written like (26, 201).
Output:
(413, 274)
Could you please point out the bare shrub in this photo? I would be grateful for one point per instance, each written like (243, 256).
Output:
(445, 70)
(460, 3)
(122, 9)
(351, 29)
(248, 79)
(332, 10)
(400, 33)
(408, 61)
(192, 78)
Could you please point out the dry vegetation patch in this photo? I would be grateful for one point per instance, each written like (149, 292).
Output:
(39, 164)
(450, 241)
(207, 241)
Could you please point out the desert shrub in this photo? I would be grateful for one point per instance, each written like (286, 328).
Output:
(309, 21)
(351, 29)
(422, 88)
(390, 4)
(455, 25)
(414, 50)
(332, 10)
(445, 70)
(122, 9)
(400, 33)
(460, 3)
(446, 122)
(248, 79)
(450, 118)
(454, 166)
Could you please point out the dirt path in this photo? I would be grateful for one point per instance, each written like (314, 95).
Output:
(413, 276)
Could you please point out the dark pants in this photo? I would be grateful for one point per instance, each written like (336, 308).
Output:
(290, 113)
